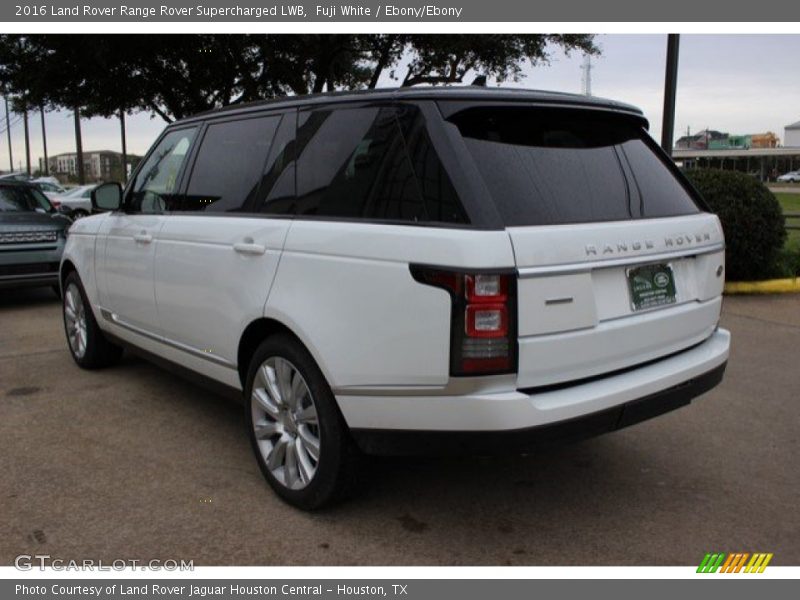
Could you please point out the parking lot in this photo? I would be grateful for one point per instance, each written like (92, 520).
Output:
(135, 463)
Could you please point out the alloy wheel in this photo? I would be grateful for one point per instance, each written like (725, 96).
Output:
(285, 423)
(75, 319)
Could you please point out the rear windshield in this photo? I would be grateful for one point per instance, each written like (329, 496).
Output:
(551, 166)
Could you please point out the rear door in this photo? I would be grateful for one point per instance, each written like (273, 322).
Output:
(618, 265)
(216, 254)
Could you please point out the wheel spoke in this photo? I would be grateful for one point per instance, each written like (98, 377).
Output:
(305, 468)
(298, 390)
(310, 441)
(307, 415)
(272, 385)
(266, 403)
(283, 373)
(267, 429)
(277, 455)
(290, 464)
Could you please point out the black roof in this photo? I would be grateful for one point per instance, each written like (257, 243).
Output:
(541, 97)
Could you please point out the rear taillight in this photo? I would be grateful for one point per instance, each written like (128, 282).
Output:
(483, 318)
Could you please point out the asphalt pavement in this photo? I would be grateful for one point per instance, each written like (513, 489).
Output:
(135, 463)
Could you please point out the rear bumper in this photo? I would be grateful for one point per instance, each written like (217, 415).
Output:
(511, 421)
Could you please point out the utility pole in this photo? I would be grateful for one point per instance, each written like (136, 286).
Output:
(8, 131)
(79, 147)
(124, 146)
(44, 141)
(670, 87)
(27, 143)
(586, 78)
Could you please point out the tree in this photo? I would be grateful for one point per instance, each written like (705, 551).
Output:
(450, 58)
(174, 76)
(48, 72)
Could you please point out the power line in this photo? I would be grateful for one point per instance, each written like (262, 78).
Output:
(17, 120)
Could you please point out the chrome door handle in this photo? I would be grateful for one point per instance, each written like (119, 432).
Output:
(249, 248)
(143, 237)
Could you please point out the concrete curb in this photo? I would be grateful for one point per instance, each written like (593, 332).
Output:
(770, 286)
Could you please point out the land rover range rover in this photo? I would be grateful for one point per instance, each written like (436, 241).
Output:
(401, 271)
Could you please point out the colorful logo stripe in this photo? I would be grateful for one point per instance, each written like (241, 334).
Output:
(734, 562)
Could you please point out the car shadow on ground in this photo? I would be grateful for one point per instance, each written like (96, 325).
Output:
(20, 297)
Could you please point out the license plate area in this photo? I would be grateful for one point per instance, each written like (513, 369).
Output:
(651, 286)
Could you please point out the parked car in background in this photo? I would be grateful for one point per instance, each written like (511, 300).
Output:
(50, 189)
(32, 237)
(790, 177)
(15, 176)
(413, 271)
(77, 202)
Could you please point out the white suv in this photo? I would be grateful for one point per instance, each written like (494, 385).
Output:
(408, 271)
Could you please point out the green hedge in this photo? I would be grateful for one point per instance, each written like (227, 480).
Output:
(751, 218)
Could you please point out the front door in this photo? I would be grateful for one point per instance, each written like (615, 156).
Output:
(125, 281)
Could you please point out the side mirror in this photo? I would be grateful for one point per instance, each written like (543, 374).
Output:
(107, 196)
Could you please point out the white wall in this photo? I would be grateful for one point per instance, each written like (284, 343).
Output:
(791, 138)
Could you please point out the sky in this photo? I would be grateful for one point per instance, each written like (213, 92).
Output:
(731, 83)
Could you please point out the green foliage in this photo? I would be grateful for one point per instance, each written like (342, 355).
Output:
(752, 219)
(174, 76)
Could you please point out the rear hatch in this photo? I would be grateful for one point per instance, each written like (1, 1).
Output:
(618, 263)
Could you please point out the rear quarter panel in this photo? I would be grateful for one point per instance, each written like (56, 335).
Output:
(346, 290)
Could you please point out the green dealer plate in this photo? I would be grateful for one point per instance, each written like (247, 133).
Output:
(651, 286)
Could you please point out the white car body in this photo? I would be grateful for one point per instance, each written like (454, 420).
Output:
(191, 287)
(78, 198)
(791, 176)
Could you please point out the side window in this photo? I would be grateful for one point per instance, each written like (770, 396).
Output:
(276, 193)
(438, 194)
(155, 186)
(371, 163)
(229, 163)
(352, 163)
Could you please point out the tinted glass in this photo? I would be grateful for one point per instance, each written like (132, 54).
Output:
(20, 199)
(660, 192)
(276, 193)
(353, 163)
(546, 166)
(229, 163)
(438, 194)
(343, 155)
(156, 183)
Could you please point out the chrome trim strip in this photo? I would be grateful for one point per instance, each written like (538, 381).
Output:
(455, 386)
(109, 316)
(584, 267)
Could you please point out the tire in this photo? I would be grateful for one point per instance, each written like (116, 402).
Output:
(289, 430)
(88, 346)
(56, 290)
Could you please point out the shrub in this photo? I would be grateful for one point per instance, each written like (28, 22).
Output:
(751, 218)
